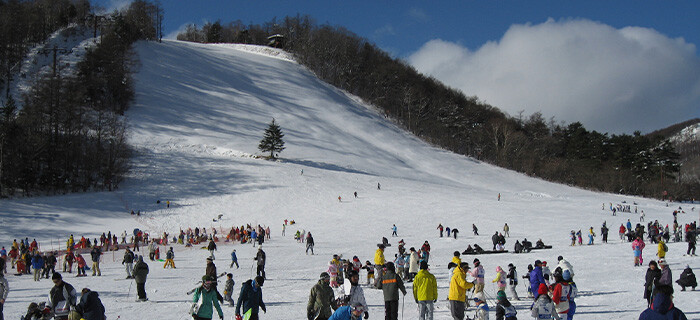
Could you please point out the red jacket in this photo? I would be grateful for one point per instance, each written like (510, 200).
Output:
(80, 261)
(622, 229)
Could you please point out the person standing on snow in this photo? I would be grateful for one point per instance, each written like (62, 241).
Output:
(478, 273)
(234, 259)
(390, 284)
(228, 289)
(211, 247)
(513, 281)
(413, 264)
(393, 231)
(379, 262)
(666, 276)
(504, 309)
(321, 299)
(439, 227)
(458, 290)
(250, 299)
(687, 279)
(500, 279)
(309, 244)
(475, 229)
(5, 289)
(637, 247)
(260, 258)
(536, 278)
(651, 281)
(543, 308)
(565, 265)
(140, 275)
(425, 292)
(96, 254)
(506, 230)
(494, 239)
(169, 259)
(206, 299)
(560, 296)
(62, 298)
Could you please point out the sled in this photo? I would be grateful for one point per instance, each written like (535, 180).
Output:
(473, 253)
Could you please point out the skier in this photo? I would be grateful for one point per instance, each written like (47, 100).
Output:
(140, 275)
(425, 292)
(536, 278)
(527, 281)
(651, 281)
(128, 261)
(579, 237)
(512, 281)
(622, 232)
(234, 259)
(543, 308)
(573, 238)
(370, 271)
(205, 300)
(565, 265)
(475, 229)
(637, 247)
(504, 309)
(393, 231)
(604, 232)
(390, 284)
(666, 276)
(228, 289)
(687, 279)
(354, 295)
(211, 247)
(500, 279)
(478, 273)
(260, 258)
(169, 256)
(309, 243)
(506, 230)
(321, 299)
(439, 227)
(662, 248)
(62, 298)
(250, 299)
(560, 296)
(482, 309)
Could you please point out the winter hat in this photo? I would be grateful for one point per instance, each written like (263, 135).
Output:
(424, 265)
(56, 275)
(566, 275)
(544, 263)
(501, 295)
(456, 253)
(538, 263)
(542, 289)
(662, 262)
(324, 276)
(206, 278)
(560, 258)
(390, 266)
(510, 265)
(464, 266)
(498, 269)
(260, 280)
(209, 259)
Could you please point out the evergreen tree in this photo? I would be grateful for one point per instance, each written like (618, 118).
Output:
(272, 140)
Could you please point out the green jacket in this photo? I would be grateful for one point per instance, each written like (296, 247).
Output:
(204, 300)
(321, 299)
(424, 286)
(390, 284)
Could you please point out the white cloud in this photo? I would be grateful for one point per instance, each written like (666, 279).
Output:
(418, 15)
(385, 30)
(611, 80)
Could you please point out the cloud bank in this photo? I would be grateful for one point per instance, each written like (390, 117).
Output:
(611, 80)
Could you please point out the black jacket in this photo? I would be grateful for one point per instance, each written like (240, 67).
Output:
(687, 279)
(91, 307)
(651, 279)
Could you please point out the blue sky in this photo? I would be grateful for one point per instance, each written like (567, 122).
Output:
(616, 66)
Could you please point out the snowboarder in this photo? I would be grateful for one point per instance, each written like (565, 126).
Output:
(321, 299)
(390, 284)
(250, 299)
(260, 258)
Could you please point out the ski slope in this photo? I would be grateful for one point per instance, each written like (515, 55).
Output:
(199, 114)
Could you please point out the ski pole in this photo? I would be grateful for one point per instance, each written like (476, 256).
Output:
(403, 299)
(129, 293)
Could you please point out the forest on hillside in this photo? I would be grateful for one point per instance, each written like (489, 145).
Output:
(645, 165)
(68, 133)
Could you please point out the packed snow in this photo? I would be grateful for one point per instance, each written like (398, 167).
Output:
(199, 114)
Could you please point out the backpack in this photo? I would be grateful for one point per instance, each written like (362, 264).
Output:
(665, 248)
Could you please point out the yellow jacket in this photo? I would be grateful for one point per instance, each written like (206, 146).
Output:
(457, 260)
(459, 285)
(661, 253)
(425, 286)
(379, 257)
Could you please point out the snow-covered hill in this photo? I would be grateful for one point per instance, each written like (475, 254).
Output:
(199, 114)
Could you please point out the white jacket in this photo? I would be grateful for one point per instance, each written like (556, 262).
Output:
(413, 263)
(4, 288)
(543, 308)
(565, 265)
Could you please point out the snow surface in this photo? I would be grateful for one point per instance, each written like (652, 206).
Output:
(199, 114)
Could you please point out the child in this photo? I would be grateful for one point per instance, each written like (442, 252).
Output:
(228, 289)
(504, 309)
(370, 271)
(482, 309)
(543, 308)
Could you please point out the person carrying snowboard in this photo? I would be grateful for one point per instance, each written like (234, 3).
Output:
(205, 300)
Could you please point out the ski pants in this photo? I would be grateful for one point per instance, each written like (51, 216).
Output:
(211, 254)
(261, 270)
(425, 310)
(96, 268)
(169, 262)
(572, 310)
(391, 310)
(141, 290)
(691, 248)
(37, 274)
(129, 269)
(513, 293)
(234, 262)
(457, 309)
(378, 274)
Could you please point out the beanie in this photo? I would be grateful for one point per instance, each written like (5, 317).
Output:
(501, 295)
(566, 275)
(55, 276)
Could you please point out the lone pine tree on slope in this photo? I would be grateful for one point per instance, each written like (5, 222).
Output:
(272, 140)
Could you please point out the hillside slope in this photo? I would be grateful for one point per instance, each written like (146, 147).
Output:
(199, 114)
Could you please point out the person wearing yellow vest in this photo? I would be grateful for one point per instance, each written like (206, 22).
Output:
(458, 290)
(425, 292)
(379, 262)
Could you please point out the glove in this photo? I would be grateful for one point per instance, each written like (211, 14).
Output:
(238, 317)
(366, 315)
(222, 317)
(416, 300)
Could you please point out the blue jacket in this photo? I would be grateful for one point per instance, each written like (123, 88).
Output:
(662, 309)
(37, 262)
(536, 278)
(233, 256)
(250, 298)
(342, 313)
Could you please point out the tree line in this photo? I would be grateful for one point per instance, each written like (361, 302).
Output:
(636, 164)
(68, 133)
